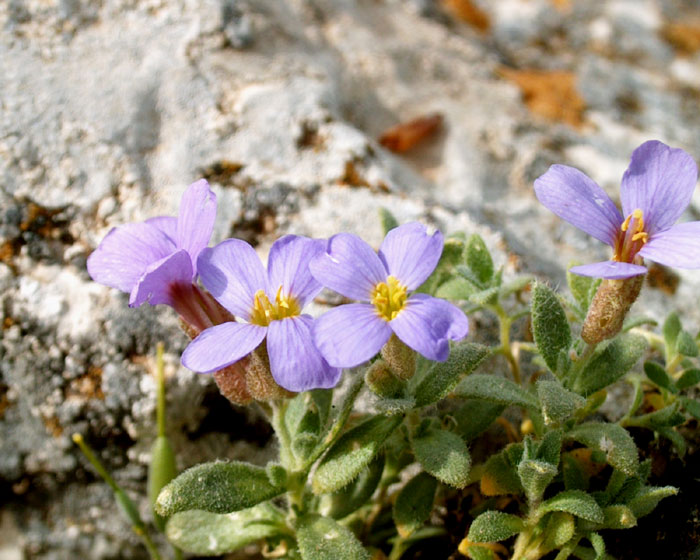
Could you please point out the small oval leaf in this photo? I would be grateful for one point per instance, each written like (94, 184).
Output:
(575, 502)
(495, 389)
(322, 538)
(549, 325)
(444, 455)
(414, 503)
(494, 526)
(611, 439)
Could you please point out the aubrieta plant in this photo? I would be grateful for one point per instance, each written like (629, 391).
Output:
(376, 402)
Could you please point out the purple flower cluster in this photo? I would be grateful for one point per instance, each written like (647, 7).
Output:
(159, 261)
(656, 189)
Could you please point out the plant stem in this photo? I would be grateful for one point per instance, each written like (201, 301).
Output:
(505, 322)
(160, 394)
(579, 364)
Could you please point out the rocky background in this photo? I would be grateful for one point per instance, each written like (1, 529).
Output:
(110, 108)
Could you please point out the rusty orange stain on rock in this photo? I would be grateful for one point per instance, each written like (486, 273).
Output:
(406, 135)
(468, 12)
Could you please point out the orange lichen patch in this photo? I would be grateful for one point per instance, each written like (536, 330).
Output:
(662, 278)
(221, 172)
(352, 178)
(310, 138)
(53, 425)
(404, 136)
(684, 37)
(88, 386)
(4, 401)
(562, 5)
(549, 94)
(7, 252)
(468, 12)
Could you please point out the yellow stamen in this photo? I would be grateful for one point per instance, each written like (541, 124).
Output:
(264, 311)
(389, 298)
(630, 241)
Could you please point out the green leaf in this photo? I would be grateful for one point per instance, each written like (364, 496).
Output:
(474, 416)
(559, 530)
(558, 403)
(387, 219)
(495, 389)
(689, 378)
(549, 325)
(580, 287)
(479, 259)
(670, 330)
(217, 487)
(485, 297)
(606, 367)
(575, 502)
(476, 552)
(514, 286)
(444, 455)
(414, 503)
(611, 439)
(353, 496)
(685, 345)
(323, 400)
(658, 375)
(549, 449)
(691, 406)
(212, 534)
(619, 517)
(352, 453)
(500, 475)
(664, 418)
(535, 476)
(161, 470)
(452, 256)
(648, 498)
(322, 538)
(494, 526)
(456, 288)
(442, 377)
(598, 545)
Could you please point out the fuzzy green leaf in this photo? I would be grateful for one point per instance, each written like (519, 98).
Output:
(352, 453)
(444, 455)
(558, 403)
(455, 288)
(495, 389)
(348, 499)
(670, 330)
(685, 345)
(387, 219)
(580, 287)
(690, 378)
(474, 416)
(619, 517)
(212, 534)
(322, 538)
(658, 375)
(549, 325)
(414, 503)
(612, 440)
(691, 406)
(452, 256)
(535, 476)
(442, 377)
(598, 545)
(479, 259)
(575, 502)
(500, 474)
(494, 526)
(648, 498)
(559, 529)
(606, 367)
(217, 487)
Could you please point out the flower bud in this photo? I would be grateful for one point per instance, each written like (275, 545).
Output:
(382, 381)
(232, 384)
(400, 358)
(258, 377)
(609, 307)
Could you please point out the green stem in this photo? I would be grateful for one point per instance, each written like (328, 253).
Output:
(579, 364)
(129, 508)
(636, 382)
(285, 440)
(505, 322)
(160, 395)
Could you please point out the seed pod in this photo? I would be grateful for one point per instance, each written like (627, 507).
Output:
(258, 377)
(400, 358)
(609, 308)
(232, 384)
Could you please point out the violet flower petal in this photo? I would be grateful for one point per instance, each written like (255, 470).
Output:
(350, 334)
(576, 198)
(349, 266)
(288, 266)
(410, 254)
(609, 269)
(295, 362)
(232, 272)
(195, 222)
(222, 345)
(678, 246)
(125, 253)
(660, 182)
(427, 324)
(154, 286)
(166, 224)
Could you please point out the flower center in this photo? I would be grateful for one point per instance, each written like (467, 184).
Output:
(264, 311)
(631, 237)
(389, 298)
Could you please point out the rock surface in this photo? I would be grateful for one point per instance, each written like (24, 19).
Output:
(110, 109)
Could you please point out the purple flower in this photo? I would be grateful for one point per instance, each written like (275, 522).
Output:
(656, 189)
(351, 334)
(271, 303)
(155, 261)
